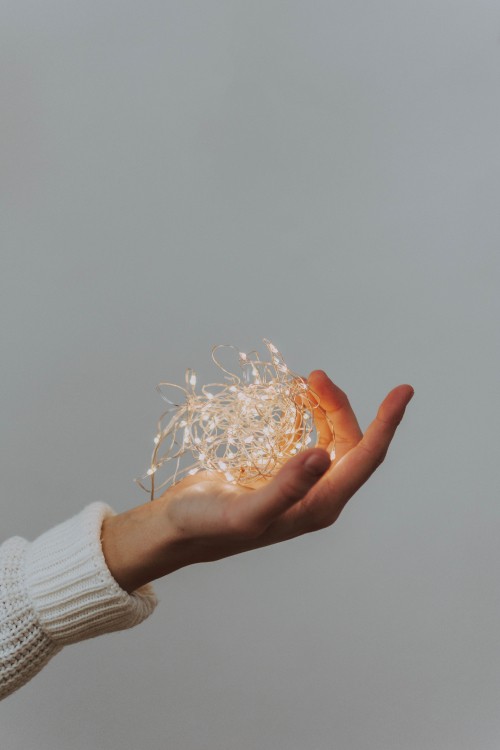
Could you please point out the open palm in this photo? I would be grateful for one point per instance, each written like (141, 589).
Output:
(210, 518)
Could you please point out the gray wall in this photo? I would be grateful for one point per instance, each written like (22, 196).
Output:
(327, 174)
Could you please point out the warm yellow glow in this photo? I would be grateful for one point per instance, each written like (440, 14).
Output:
(245, 427)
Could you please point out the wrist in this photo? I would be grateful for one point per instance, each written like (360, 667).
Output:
(140, 545)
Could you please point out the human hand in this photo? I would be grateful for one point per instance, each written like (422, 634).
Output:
(204, 518)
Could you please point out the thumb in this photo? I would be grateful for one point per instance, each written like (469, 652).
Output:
(291, 484)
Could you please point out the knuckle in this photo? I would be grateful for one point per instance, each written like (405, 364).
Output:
(321, 516)
(376, 455)
(323, 441)
(390, 423)
(342, 395)
(323, 520)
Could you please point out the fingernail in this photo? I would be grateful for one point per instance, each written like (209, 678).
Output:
(317, 464)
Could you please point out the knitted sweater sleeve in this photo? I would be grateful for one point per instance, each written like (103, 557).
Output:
(58, 590)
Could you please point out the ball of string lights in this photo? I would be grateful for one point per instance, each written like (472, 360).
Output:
(244, 428)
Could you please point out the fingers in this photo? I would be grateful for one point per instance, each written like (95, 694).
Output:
(324, 431)
(379, 434)
(258, 509)
(339, 412)
(359, 464)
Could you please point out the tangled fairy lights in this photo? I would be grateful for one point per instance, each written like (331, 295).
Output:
(245, 428)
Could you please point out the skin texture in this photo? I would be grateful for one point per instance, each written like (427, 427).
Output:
(205, 518)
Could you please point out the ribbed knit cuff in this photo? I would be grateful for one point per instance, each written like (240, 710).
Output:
(73, 592)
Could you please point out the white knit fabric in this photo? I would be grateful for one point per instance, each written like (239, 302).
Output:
(59, 590)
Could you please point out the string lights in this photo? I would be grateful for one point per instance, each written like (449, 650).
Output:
(244, 428)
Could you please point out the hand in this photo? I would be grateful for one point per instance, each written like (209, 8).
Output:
(205, 518)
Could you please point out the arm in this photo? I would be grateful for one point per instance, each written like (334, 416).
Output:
(90, 575)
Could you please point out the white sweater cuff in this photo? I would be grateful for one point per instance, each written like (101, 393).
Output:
(71, 588)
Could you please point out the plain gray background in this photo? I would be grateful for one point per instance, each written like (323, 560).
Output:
(326, 174)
